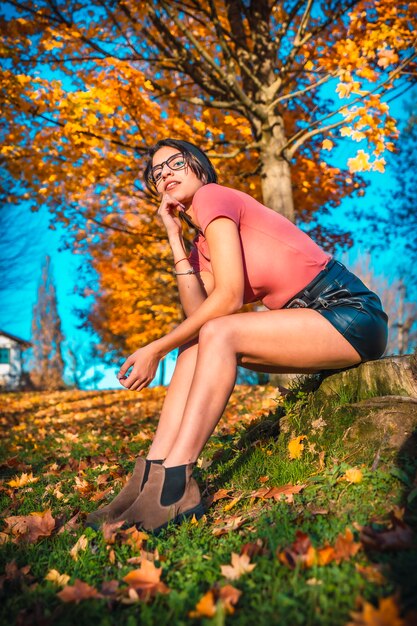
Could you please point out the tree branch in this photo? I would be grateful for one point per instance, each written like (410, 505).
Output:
(227, 82)
(299, 138)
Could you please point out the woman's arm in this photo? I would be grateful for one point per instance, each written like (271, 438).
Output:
(192, 288)
(223, 240)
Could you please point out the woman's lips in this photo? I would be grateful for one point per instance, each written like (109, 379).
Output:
(171, 185)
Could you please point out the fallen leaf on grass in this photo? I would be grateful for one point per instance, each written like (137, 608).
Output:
(232, 503)
(208, 605)
(286, 491)
(296, 447)
(72, 524)
(77, 592)
(83, 486)
(14, 462)
(12, 573)
(240, 565)
(135, 538)
(225, 526)
(203, 463)
(399, 537)
(57, 493)
(101, 494)
(318, 511)
(301, 552)
(254, 549)
(372, 573)
(146, 581)
(325, 555)
(387, 614)
(80, 546)
(131, 536)
(345, 547)
(109, 531)
(110, 587)
(220, 494)
(353, 476)
(58, 579)
(205, 607)
(149, 556)
(22, 481)
(30, 527)
(229, 596)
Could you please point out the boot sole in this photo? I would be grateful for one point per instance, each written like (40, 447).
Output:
(198, 511)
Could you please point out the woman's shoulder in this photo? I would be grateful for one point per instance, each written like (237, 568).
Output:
(216, 191)
(212, 201)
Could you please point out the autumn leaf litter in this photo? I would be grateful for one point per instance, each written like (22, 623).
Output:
(88, 470)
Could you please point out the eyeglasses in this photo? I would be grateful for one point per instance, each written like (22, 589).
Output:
(175, 162)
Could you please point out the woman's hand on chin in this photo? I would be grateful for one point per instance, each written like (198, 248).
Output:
(168, 212)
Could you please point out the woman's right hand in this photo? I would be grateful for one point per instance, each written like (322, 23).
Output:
(168, 211)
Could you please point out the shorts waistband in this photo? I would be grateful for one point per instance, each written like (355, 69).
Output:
(307, 295)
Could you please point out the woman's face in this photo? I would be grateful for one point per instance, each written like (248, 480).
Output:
(175, 178)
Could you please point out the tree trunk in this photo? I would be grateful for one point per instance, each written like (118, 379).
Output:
(275, 171)
(372, 406)
(390, 376)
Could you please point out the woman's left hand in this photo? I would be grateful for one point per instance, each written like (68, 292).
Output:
(145, 363)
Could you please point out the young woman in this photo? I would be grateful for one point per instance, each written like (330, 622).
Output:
(320, 316)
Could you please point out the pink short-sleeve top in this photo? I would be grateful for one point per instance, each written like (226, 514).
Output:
(279, 259)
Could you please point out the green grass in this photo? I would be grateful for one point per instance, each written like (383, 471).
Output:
(88, 435)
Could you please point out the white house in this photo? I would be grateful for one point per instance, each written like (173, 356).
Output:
(11, 365)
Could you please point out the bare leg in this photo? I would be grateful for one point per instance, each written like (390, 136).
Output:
(298, 340)
(174, 404)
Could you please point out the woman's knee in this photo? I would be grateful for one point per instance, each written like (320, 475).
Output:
(215, 332)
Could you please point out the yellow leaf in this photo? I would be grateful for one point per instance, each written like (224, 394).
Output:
(353, 475)
(345, 89)
(308, 66)
(386, 58)
(50, 45)
(55, 577)
(379, 165)
(81, 545)
(360, 163)
(327, 144)
(357, 135)
(22, 480)
(200, 126)
(346, 131)
(232, 503)
(240, 565)
(295, 447)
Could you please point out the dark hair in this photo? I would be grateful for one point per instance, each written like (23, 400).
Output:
(195, 158)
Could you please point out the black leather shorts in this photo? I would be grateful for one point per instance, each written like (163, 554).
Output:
(354, 310)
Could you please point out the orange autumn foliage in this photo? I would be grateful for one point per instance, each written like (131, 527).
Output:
(85, 92)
